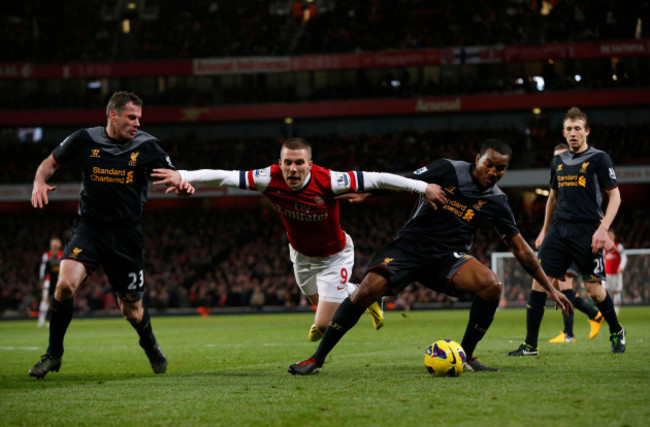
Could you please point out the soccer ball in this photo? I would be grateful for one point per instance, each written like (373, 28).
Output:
(445, 358)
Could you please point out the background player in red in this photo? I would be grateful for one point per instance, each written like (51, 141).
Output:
(615, 262)
(304, 194)
(48, 273)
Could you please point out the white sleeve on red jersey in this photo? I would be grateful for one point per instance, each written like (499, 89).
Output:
(212, 177)
(41, 270)
(621, 252)
(359, 181)
(255, 180)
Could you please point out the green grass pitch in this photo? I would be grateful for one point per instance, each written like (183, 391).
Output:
(231, 370)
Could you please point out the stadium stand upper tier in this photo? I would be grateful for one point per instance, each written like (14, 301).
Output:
(109, 30)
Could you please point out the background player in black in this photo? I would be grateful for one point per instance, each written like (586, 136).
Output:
(116, 161)
(48, 273)
(431, 248)
(575, 229)
(568, 288)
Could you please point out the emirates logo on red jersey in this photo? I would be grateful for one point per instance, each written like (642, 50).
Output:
(319, 200)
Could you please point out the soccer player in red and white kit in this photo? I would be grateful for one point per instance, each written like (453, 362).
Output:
(615, 262)
(48, 273)
(304, 194)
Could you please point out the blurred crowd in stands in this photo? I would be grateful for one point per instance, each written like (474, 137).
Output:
(92, 30)
(76, 30)
(388, 152)
(239, 258)
(213, 258)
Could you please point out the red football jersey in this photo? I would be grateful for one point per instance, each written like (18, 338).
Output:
(310, 215)
(613, 259)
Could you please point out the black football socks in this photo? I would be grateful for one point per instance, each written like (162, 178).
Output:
(59, 322)
(481, 315)
(343, 320)
(606, 307)
(534, 315)
(145, 331)
(585, 307)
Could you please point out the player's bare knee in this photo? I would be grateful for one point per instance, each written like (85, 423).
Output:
(64, 289)
(596, 292)
(131, 314)
(491, 288)
(366, 294)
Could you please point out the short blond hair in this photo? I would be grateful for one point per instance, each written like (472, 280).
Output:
(576, 113)
(296, 144)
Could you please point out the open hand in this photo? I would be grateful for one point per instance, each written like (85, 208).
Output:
(39, 194)
(168, 177)
(185, 189)
(601, 240)
(435, 195)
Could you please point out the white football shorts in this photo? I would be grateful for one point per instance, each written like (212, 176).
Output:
(326, 276)
(614, 282)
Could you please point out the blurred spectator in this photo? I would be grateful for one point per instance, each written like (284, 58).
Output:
(239, 259)
(73, 30)
(388, 151)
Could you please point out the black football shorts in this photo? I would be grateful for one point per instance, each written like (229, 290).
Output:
(403, 262)
(567, 242)
(118, 250)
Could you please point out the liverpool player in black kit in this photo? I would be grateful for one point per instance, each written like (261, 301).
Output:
(431, 248)
(575, 228)
(116, 161)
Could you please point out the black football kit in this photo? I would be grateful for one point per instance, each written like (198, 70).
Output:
(579, 180)
(431, 246)
(113, 194)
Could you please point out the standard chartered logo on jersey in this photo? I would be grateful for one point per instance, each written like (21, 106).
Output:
(111, 176)
(460, 210)
(571, 181)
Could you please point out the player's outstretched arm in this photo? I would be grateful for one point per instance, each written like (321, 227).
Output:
(43, 173)
(432, 193)
(526, 257)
